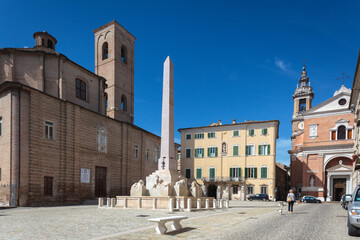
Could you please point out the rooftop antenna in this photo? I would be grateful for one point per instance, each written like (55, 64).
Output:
(342, 78)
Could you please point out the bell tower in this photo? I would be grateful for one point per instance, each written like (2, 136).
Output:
(302, 98)
(114, 60)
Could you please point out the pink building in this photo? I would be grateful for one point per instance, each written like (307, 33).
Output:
(322, 143)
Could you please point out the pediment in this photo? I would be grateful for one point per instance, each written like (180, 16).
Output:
(340, 168)
(332, 104)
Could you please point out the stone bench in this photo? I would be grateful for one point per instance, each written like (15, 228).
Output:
(161, 228)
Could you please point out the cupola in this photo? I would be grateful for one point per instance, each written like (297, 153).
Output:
(44, 39)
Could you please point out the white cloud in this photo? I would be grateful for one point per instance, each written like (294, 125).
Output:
(282, 65)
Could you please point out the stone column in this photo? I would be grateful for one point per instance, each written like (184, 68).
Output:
(242, 192)
(328, 188)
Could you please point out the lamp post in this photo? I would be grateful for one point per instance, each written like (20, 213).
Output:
(163, 163)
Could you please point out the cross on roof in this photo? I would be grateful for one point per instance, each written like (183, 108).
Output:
(342, 78)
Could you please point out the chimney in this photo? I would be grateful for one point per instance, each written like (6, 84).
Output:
(219, 122)
(234, 121)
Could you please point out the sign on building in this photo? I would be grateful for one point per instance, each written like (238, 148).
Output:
(85, 175)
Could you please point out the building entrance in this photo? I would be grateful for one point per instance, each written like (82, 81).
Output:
(339, 188)
(212, 191)
(100, 181)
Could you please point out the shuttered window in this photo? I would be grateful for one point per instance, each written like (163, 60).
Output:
(251, 172)
(235, 172)
(212, 152)
(212, 173)
(264, 131)
(198, 173)
(251, 132)
(199, 136)
(199, 152)
(235, 133)
(264, 149)
(188, 153)
(211, 135)
(235, 150)
(264, 172)
(188, 173)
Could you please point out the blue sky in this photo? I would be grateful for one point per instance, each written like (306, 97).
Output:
(232, 59)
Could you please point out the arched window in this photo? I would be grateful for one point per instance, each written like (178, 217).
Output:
(50, 44)
(102, 139)
(106, 100)
(156, 153)
(123, 103)
(105, 50)
(341, 134)
(123, 54)
(80, 89)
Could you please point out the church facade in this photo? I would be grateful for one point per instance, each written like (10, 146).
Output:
(322, 143)
(66, 133)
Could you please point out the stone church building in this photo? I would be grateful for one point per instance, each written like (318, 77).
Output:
(66, 133)
(322, 144)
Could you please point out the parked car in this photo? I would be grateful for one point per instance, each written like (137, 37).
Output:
(345, 200)
(310, 199)
(259, 196)
(306, 196)
(353, 222)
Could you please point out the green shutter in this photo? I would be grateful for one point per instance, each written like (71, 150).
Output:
(216, 152)
(202, 135)
(235, 150)
(198, 173)
(268, 149)
(246, 172)
(212, 172)
(265, 131)
(255, 172)
(239, 172)
(231, 172)
(195, 152)
(259, 149)
(202, 152)
(195, 136)
(247, 150)
(208, 152)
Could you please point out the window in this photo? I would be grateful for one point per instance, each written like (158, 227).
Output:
(156, 153)
(102, 139)
(179, 156)
(80, 89)
(188, 136)
(235, 189)
(188, 153)
(0, 126)
(313, 130)
(49, 130)
(105, 51)
(212, 152)
(211, 135)
(302, 105)
(136, 153)
(199, 152)
(198, 173)
(48, 186)
(50, 44)
(250, 189)
(235, 172)
(199, 136)
(212, 173)
(235, 133)
(251, 172)
(251, 132)
(147, 154)
(123, 103)
(348, 137)
(263, 189)
(250, 150)
(123, 54)
(235, 150)
(264, 131)
(188, 173)
(264, 149)
(341, 132)
(264, 172)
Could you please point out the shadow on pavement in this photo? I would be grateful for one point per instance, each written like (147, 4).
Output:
(185, 229)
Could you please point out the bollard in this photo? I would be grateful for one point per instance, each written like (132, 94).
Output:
(227, 204)
(189, 205)
(101, 202)
(214, 203)
(154, 203)
(220, 203)
(171, 202)
(178, 203)
(108, 202)
(139, 203)
(207, 203)
(198, 205)
(125, 203)
(112, 202)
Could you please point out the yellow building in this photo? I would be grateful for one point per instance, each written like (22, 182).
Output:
(231, 160)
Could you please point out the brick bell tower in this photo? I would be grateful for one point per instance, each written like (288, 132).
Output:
(114, 60)
(302, 98)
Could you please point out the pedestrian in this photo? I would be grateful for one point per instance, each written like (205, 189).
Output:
(290, 200)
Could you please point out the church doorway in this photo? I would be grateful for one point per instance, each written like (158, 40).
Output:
(339, 188)
(212, 191)
(100, 181)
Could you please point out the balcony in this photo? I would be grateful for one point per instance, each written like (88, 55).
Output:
(222, 179)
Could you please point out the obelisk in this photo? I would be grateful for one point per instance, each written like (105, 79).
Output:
(167, 159)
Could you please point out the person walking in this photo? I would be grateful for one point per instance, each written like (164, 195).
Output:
(290, 200)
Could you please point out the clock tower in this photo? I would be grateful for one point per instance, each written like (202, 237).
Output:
(302, 98)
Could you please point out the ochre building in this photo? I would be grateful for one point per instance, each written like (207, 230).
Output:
(66, 133)
(322, 143)
(231, 160)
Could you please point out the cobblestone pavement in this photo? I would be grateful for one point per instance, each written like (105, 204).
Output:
(244, 220)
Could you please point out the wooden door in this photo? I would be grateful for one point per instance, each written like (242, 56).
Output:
(100, 181)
